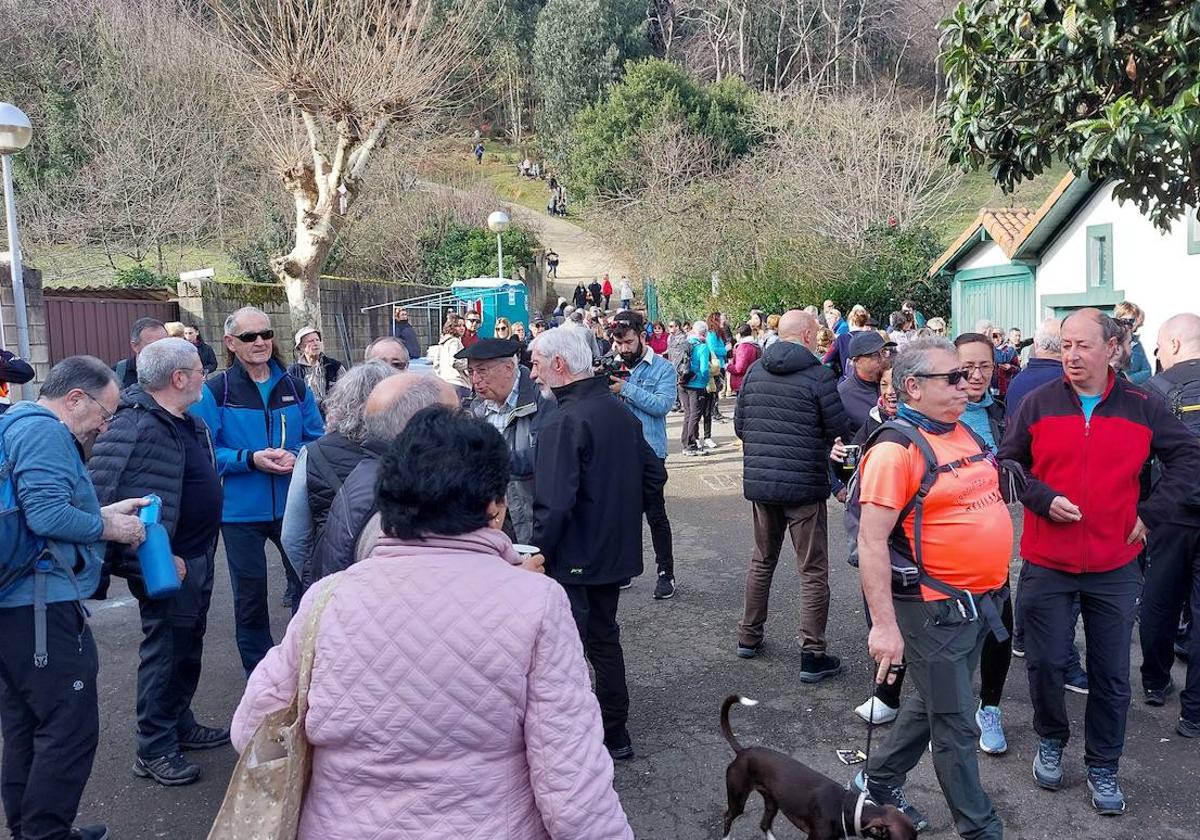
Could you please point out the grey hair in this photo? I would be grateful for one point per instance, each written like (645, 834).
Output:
(1048, 341)
(140, 326)
(348, 397)
(232, 321)
(386, 425)
(914, 359)
(566, 343)
(385, 339)
(700, 328)
(158, 362)
(86, 373)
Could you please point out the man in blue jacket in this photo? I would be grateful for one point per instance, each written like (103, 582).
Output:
(259, 417)
(48, 661)
(649, 393)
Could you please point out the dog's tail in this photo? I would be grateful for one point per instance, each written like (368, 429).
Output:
(725, 728)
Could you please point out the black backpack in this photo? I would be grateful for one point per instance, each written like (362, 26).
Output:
(1180, 387)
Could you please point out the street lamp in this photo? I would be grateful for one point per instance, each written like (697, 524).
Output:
(497, 223)
(15, 134)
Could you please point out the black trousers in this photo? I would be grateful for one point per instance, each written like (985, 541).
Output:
(1172, 579)
(1108, 603)
(246, 552)
(50, 720)
(595, 611)
(169, 659)
(654, 503)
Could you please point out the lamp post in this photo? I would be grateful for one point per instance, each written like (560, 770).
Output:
(497, 223)
(15, 134)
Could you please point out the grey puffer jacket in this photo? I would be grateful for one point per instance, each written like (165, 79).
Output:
(788, 416)
(520, 429)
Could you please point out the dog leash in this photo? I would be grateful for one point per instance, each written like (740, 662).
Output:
(863, 796)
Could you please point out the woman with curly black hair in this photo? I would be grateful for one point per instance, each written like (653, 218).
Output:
(449, 696)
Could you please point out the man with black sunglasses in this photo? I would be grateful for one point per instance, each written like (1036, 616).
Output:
(471, 334)
(259, 416)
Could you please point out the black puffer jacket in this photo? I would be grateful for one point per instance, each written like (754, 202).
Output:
(352, 507)
(788, 416)
(141, 453)
(331, 459)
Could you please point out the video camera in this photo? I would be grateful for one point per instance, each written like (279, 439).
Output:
(612, 366)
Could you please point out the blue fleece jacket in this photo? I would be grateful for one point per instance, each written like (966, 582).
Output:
(700, 364)
(58, 501)
(718, 347)
(231, 405)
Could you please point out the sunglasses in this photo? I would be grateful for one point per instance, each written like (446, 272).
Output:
(952, 377)
(250, 337)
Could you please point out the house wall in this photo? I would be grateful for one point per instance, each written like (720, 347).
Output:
(986, 255)
(1152, 269)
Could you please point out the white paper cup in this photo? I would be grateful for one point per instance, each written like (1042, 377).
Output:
(531, 550)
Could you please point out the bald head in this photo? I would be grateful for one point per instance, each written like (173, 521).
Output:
(800, 327)
(395, 400)
(1179, 340)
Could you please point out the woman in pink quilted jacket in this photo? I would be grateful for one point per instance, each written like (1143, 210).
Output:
(449, 695)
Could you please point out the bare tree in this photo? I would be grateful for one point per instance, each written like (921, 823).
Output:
(343, 76)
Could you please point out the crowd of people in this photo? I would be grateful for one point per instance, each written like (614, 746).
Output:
(456, 529)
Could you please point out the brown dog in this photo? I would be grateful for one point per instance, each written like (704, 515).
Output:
(812, 802)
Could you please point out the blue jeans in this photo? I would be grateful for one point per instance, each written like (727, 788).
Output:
(245, 549)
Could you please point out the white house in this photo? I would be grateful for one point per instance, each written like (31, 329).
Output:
(1080, 248)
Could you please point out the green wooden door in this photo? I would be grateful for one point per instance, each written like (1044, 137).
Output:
(1004, 295)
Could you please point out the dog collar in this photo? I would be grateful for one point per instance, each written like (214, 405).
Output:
(857, 824)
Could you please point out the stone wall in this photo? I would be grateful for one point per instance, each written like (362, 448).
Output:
(346, 330)
(39, 341)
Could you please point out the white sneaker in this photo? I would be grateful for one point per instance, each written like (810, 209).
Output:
(710, 443)
(876, 711)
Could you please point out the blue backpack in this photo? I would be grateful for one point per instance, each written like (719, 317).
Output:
(22, 549)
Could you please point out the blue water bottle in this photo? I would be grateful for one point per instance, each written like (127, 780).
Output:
(155, 556)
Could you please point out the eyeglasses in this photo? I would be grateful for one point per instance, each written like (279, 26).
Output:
(199, 370)
(107, 416)
(985, 369)
(472, 321)
(251, 337)
(952, 377)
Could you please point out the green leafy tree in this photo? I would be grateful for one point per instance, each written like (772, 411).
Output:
(605, 138)
(465, 252)
(579, 48)
(1111, 88)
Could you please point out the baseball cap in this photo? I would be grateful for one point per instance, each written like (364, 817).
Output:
(867, 342)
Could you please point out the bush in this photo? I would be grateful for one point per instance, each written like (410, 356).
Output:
(274, 238)
(140, 277)
(464, 252)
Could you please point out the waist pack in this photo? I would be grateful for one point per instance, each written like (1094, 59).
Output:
(908, 572)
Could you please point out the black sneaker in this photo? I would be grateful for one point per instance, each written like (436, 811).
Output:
(1181, 651)
(171, 770)
(621, 753)
(882, 794)
(89, 832)
(1187, 728)
(625, 584)
(749, 651)
(1158, 696)
(204, 738)
(815, 667)
(1018, 649)
(665, 588)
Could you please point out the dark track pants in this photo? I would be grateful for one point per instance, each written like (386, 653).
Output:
(50, 720)
(1172, 578)
(655, 505)
(246, 551)
(595, 611)
(1108, 603)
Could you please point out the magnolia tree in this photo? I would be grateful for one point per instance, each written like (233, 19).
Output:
(1110, 88)
(329, 82)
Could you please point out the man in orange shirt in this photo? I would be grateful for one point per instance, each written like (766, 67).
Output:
(936, 617)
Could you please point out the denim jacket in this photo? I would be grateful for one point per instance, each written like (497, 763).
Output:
(649, 394)
(59, 504)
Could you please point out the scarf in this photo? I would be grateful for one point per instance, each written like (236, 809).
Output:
(976, 417)
(925, 424)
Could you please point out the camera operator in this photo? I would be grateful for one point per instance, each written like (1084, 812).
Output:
(646, 386)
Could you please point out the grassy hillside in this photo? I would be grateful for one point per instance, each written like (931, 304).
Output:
(85, 265)
(978, 190)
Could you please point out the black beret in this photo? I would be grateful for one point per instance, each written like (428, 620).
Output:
(490, 348)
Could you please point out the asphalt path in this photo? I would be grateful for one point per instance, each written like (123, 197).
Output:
(681, 663)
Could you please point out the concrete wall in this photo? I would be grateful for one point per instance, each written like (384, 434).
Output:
(346, 330)
(39, 342)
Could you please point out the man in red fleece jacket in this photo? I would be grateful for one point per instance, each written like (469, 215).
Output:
(1083, 442)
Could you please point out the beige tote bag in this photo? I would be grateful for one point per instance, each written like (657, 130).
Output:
(266, 792)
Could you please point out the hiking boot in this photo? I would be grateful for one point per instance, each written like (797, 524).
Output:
(1047, 764)
(991, 733)
(876, 711)
(1106, 791)
(665, 588)
(1158, 696)
(749, 651)
(1077, 682)
(89, 832)
(170, 770)
(882, 794)
(202, 737)
(1187, 728)
(815, 667)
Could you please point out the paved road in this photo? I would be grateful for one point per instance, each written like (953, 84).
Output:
(681, 664)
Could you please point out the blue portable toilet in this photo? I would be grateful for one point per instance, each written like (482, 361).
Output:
(494, 297)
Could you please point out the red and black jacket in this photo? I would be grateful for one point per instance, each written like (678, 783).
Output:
(1096, 465)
